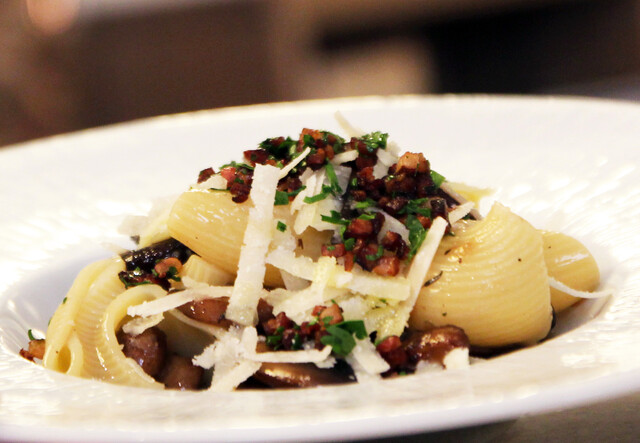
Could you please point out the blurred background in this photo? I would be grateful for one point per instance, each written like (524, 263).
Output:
(72, 64)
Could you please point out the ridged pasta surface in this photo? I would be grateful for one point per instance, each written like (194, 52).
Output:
(118, 368)
(213, 226)
(493, 282)
(106, 287)
(200, 270)
(62, 352)
(571, 263)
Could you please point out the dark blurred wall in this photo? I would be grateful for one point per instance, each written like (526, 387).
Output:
(65, 69)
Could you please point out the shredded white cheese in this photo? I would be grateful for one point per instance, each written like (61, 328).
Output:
(166, 303)
(558, 285)
(138, 325)
(417, 276)
(257, 237)
(293, 163)
(344, 157)
(352, 131)
(231, 367)
(367, 356)
(460, 212)
(391, 224)
(457, 358)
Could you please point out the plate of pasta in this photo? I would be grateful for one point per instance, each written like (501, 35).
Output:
(335, 269)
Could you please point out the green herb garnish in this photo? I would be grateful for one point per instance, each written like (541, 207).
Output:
(340, 336)
(281, 226)
(282, 197)
(438, 179)
(368, 203)
(334, 218)
(415, 207)
(333, 179)
(417, 234)
(375, 140)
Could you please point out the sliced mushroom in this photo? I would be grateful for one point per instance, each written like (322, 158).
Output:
(301, 375)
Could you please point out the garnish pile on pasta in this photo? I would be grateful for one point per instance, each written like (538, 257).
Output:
(316, 260)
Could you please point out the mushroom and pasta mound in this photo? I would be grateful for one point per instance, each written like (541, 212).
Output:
(315, 260)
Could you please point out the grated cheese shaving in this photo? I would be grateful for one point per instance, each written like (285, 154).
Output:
(352, 131)
(293, 163)
(137, 326)
(460, 212)
(457, 358)
(391, 224)
(558, 285)
(344, 157)
(257, 237)
(166, 303)
(368, 359)
(417, 275)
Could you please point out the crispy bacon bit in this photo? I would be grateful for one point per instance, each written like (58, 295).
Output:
(36, 350)
(337, 250)
(256, 156)
(390, 348)
(348, 261)
(279, 321)
(412, 163)
(392, 205)
(387, 266)
(333, 312)
(315, 160)
(359, 228)
(228, 173)
(205, 175)
(438, 207)
(164, 266)
(364, 254)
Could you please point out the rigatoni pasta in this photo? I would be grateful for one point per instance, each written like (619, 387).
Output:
(318, 260)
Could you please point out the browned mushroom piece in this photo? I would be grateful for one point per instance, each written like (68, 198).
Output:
(434, 345)
(301, 375)
(148, 349)
(210, 310)
(180, 373)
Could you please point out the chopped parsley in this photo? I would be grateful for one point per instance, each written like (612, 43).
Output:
(280, 150)
(335, 218)
(438, 179)
(375, 140)
(237, 165)
(417, 234)
(333, 179)
(281, 226)
(349, 243)
(282, 197)
(368, 203)
(340, 336)
(415, 207)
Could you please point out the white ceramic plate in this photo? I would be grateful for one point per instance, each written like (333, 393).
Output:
(569, 165)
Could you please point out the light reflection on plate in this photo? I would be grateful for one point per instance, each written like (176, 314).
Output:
(569, 165)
